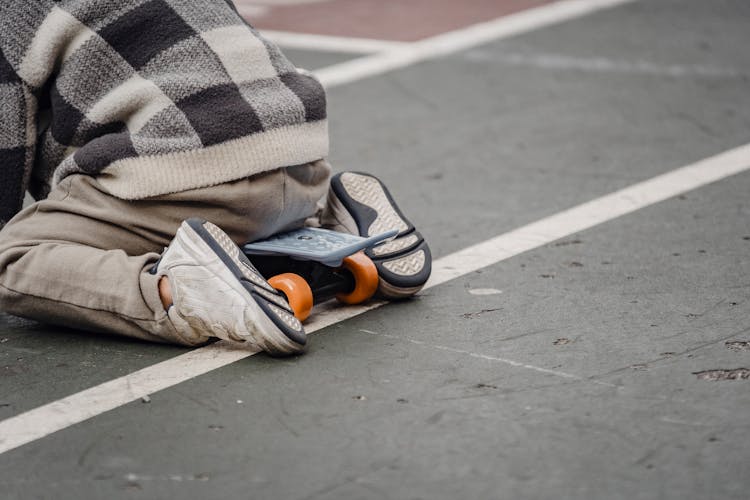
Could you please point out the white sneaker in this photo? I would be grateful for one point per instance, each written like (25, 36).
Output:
(360, 204)
(217, 292)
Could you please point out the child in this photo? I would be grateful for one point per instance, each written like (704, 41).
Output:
(134, 122)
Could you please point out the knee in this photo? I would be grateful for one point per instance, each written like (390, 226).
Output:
(10, 253)
(6, 258)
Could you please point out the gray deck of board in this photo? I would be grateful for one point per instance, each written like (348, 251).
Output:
(414, 400)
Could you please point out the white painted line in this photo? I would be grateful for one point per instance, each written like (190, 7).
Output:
(81, 406)
(465, 38)
(590, 214)
(327, 43)
(44, 420)
(603, 65)
(261, 8)
(517, 364)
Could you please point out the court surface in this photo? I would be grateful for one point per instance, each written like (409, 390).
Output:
(580, 170)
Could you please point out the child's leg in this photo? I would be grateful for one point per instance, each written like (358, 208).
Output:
(81, 258)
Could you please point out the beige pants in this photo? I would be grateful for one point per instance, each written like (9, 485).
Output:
(80, 258)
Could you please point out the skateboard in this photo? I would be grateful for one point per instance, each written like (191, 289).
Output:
(310, 266)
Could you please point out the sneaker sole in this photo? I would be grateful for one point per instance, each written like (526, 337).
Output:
(269, 321)
(404, 264)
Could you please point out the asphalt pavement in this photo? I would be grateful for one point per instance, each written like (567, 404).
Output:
(593, 367)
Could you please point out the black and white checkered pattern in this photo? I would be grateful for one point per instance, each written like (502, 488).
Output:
(15, 156)
(125, 82)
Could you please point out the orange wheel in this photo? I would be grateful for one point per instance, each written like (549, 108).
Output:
(365, 279)
(297, 292)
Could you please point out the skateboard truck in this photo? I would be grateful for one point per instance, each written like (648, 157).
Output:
(312, 265)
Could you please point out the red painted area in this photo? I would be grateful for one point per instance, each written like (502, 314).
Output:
(402, 20)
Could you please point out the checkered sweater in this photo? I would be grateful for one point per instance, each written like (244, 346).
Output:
(150, 96)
